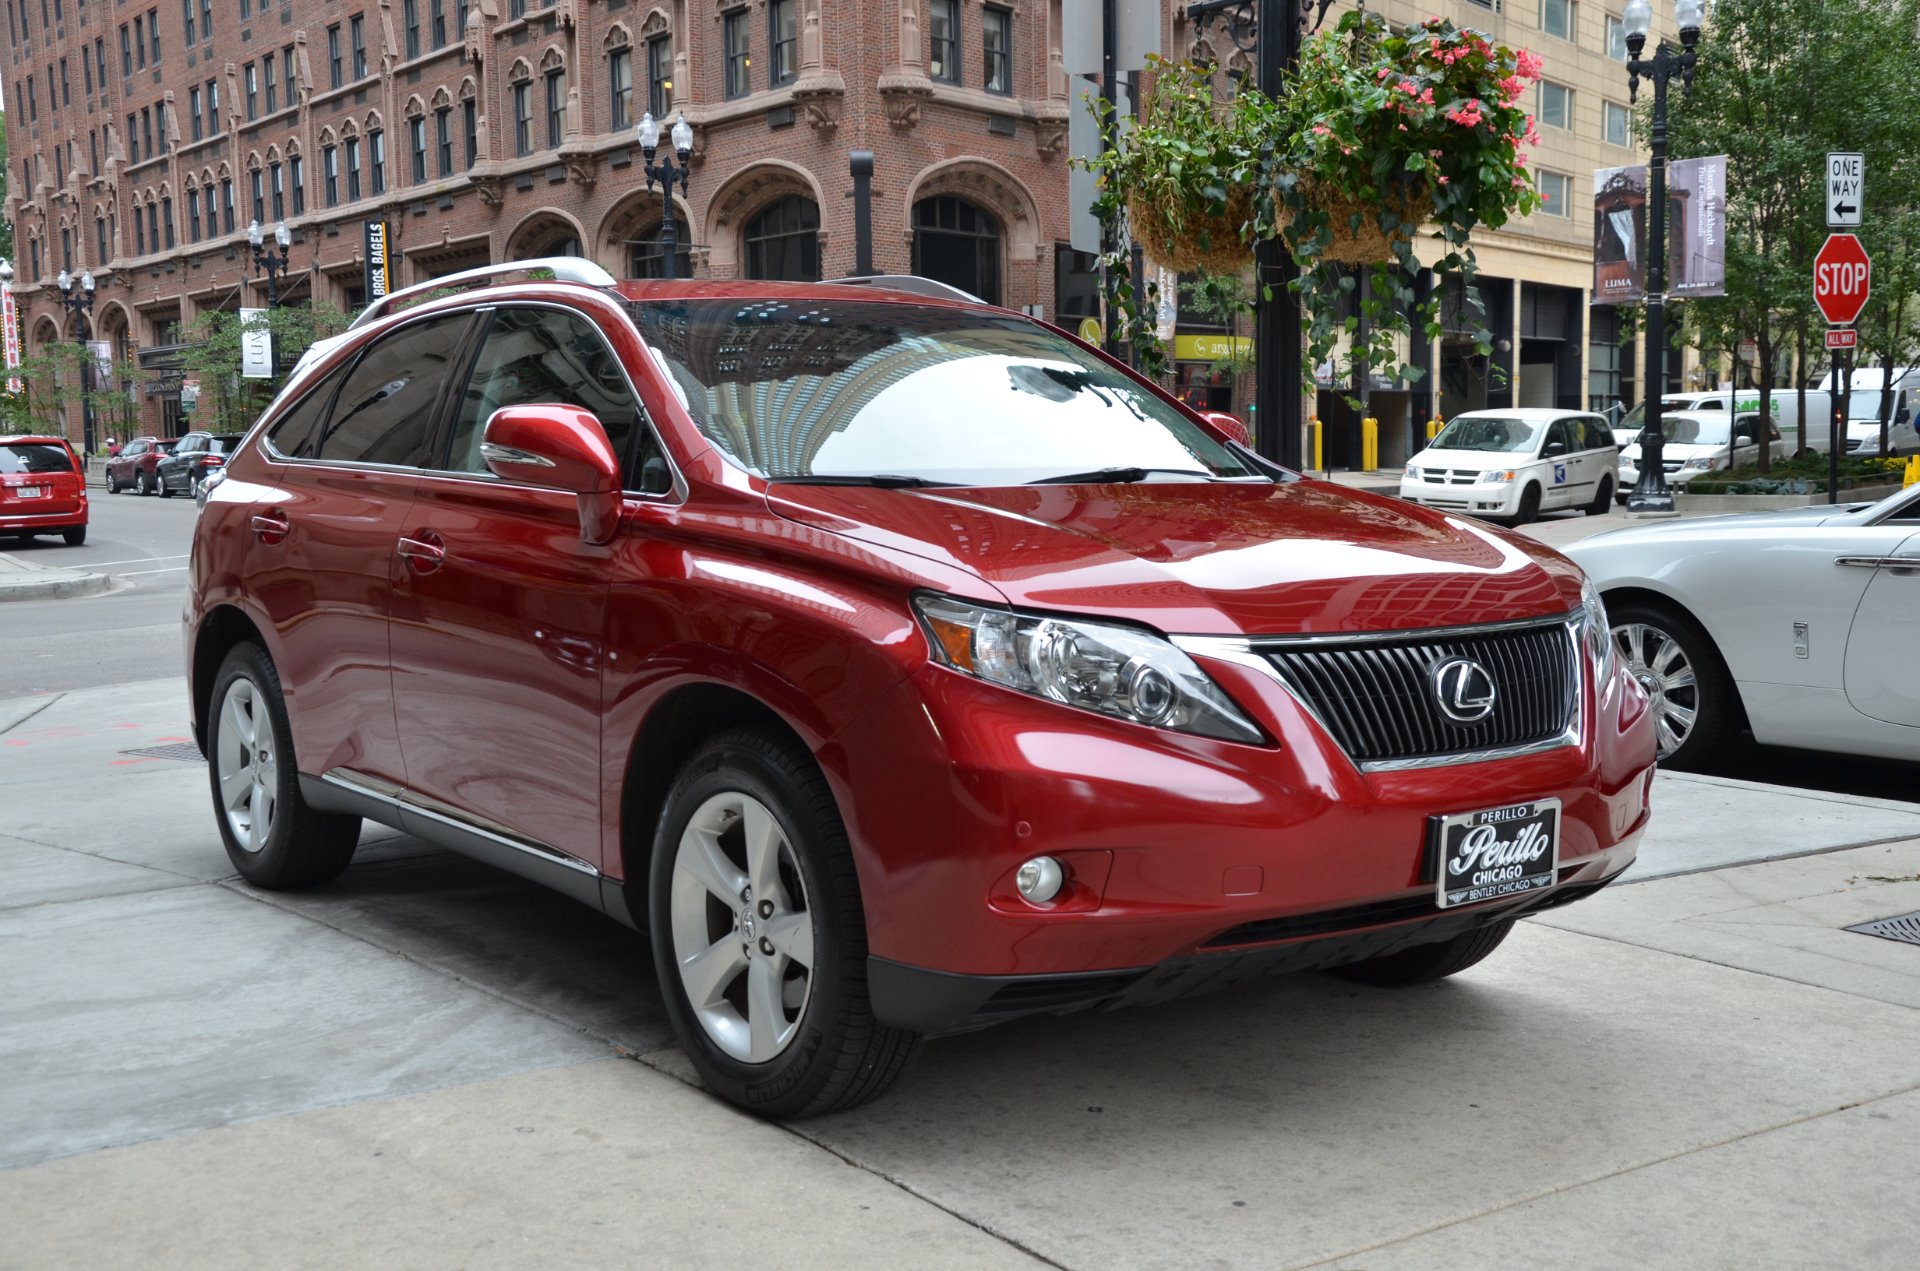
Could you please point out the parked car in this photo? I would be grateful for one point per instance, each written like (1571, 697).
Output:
(1698, 441)
(1515, 464)
(132, 468)
(900, 664)
(1866, 388)
(42, 489)
(1797, 624)
(198, 454)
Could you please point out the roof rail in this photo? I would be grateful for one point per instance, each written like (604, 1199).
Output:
(911, 283)
(563, 268)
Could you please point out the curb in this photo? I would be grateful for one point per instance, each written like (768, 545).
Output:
(20, 580)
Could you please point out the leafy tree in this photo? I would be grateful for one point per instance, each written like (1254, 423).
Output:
(228, 402)
(53, 393)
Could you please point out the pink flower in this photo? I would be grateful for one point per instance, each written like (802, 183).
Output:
(1426, 98)
(1321, 130)
(1529, 65)
(1443, 180)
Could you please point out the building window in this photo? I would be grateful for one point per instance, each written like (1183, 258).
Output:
(93, 148)
(358, 25)
(783, 242)
(206, 19)
(353, 169)
(523, 118)
(377, 159)
(286, 73)
(100, 61)
(437, 12)
(443, 139)
(140, 43)
(267, 83)
(1556, 192)
(258, 181)
(783, 40)
(659, 75)
(193, 113)
(556, 107)
(193, 216)
(146, 131)
(153, 33)
(330, 165)
(996, 28)
(459, 19)
(1616, 38)
(66, 249)
(943, 31)
(958, 243)
(139, 242)
(86, 72)
(299, 180)
(213, 108)
(126, 52)
(251, 78)
(186, 19)
(213, 214)
(410, 11)
(1556, 104)
(153, 226)
(417, 134)
(469, 121)
(739, 53)
(620, 88)
(645, 259)
(100, 238)
(1556, 18)
(244, 10)
(1614, 123)
(66, 93)
(516, 9)
(276, 182)
(226, 203)
(334, 76)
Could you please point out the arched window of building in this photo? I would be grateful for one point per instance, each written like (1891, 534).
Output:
(957, 243)
(647, 260)
(783, 241)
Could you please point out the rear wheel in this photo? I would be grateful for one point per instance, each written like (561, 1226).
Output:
(272, 836)
(75, 536)
(1529, 505)
(1425, 963)
(1602, 498)
(1693, 700)
(759, 936)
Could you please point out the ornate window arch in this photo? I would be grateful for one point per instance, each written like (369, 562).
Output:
(656, 23)
(520, 72)
(373, 122)
(273, 155)
(617, 37)
(442, 99)
(553, 59)
(415, 108)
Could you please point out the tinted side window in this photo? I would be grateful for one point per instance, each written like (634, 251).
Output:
(549, 355)
(1562, 432)
(384, 412)
(295, 433)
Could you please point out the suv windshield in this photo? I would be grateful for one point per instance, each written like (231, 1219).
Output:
(1486, 432)
(1698, 430)
(1864, 404)
(33, 456)
(870, 389)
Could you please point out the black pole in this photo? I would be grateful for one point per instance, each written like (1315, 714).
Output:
(86, 384)
(1841, 399)
(1110, 94)
(860, 163)
(1650, 492)
(1277, 420)
(669, 237)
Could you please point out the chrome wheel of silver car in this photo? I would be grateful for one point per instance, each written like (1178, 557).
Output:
(244, 761)
(742, 929)
(1656, 659)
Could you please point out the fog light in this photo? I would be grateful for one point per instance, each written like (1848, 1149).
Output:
(1040, 879)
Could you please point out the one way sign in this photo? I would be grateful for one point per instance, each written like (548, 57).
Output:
(1846, 188)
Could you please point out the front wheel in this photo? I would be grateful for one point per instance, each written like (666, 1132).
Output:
(1529, 505)
(145, 483)
(272, 836)
(165, 491)
(1693, 699)
(1425, 963)
(759, 937)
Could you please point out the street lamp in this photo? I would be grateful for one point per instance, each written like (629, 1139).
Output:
(79, 302)
(1650, 494)
(274, 263)
(667, 172)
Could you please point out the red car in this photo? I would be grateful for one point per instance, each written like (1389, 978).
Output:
(42, 490)
(900, 664)
(134, 467)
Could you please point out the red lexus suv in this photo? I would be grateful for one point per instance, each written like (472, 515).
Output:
(899, 663)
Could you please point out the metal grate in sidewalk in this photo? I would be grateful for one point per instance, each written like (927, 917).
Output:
(1902, 927)
(184, 751)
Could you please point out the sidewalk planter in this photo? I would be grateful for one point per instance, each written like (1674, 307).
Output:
(1724, 504)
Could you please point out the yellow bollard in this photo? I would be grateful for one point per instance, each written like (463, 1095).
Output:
(1434, 426)
(1313, 431)
(1913, 473)
(1369, 444)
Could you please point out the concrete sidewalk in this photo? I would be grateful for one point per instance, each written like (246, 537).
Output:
(429, 1063)
(29, 580)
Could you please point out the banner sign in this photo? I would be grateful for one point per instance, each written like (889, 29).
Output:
(102, 350)
(256, 345)
(1696, 230)
(11, 320)
(379, 269)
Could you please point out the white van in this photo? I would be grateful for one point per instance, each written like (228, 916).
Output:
(1863, 410)
(1783, 403)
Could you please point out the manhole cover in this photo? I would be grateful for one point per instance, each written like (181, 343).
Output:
(1902, 927)
(184, 751)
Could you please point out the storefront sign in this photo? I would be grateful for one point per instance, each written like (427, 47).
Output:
(1210, 348)
(11, 321)
(379, 268)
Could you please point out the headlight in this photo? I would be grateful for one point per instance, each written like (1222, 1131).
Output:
(1096, 666)
(1500, 477)
(1595, 633)
(1699, 465)
(1413, 473)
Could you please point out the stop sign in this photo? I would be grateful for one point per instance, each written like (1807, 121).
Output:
(1842, 276)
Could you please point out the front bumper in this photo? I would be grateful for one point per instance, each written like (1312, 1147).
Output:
(1184, 854)
(1482, 498)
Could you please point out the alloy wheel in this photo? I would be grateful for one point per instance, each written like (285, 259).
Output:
(742, 928)
(1656, 659)
(244, 760)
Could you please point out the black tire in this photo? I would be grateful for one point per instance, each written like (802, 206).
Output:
(113, 484)
(1425, 963)
(301, 847)
(1602, 498)
(840, 1056)
(144, 482)
(165, 491)
(1717, 713)
(74, 537)
(1529, 505)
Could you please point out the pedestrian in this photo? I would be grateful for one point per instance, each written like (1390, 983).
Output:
(113, 447)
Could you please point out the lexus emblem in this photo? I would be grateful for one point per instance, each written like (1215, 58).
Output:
(1463, 689)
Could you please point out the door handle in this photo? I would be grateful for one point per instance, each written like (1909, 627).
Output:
(1876, 562)
(424, 553)
(270, 527)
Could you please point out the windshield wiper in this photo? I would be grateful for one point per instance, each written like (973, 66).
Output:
(1116, 476)
(882, 480)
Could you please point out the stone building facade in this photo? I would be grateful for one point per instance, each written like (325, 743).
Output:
(145, 136)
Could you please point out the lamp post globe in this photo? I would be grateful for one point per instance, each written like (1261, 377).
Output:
(668, 172)
(6, 270)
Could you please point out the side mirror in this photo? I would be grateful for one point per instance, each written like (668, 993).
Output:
(1745, 441)
(1554, 448)
(1230, 425)
(559, 448)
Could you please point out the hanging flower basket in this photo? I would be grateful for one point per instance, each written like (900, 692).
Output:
(1354, 233)
(1207, 237)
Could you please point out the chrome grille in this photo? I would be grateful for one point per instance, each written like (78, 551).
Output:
(1377, 698)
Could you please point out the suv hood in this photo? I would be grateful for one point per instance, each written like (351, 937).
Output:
(1193, 558)
(1681, 450)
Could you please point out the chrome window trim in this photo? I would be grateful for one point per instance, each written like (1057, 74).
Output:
(407, 801)
(1248, 652)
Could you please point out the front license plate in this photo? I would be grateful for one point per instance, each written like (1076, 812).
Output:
(31, 491)
(1497, 852)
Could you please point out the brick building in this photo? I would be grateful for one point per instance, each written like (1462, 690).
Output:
(144, 136)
